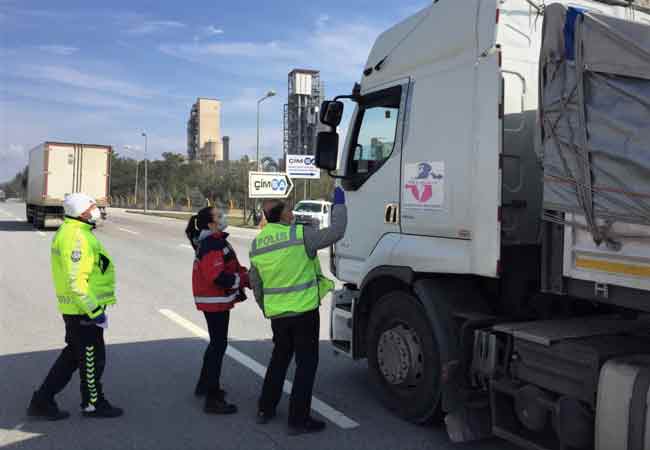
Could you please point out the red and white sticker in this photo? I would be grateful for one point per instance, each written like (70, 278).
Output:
(424, 185)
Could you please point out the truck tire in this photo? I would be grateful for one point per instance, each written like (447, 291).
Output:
(403, 357)
(39, 219)
(28, 215)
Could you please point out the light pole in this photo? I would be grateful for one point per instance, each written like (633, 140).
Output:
(146, 174)
(269, 94)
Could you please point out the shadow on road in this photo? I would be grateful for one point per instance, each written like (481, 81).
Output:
(14, 225)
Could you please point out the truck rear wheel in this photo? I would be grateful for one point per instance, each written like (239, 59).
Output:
(39, 219)
(403, 357)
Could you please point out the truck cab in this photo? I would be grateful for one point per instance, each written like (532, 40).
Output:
(446, 248)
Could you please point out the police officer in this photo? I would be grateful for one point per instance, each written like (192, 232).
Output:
(84, 280)
(288, 284)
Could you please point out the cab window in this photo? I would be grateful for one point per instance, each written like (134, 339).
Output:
(375, 132)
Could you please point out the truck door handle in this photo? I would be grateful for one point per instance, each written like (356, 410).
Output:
(391, 213)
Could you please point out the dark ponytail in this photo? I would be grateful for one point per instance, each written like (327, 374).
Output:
(192, 231)
(198, 223)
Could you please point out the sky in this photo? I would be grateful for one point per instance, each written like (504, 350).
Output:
(104, 72)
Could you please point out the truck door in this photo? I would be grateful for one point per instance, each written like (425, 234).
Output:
(59, 170)
(372, 162)
(94, 171)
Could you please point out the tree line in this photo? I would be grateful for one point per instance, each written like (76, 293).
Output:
(177, 184)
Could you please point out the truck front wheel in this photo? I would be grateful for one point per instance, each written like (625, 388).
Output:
(403, 357)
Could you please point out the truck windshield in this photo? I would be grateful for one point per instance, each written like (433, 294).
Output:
(376, 129)
(308, 207)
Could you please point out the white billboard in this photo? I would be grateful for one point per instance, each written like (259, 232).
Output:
(269, 185)
(302, 166)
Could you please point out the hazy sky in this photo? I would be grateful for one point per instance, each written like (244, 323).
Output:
(101, 72)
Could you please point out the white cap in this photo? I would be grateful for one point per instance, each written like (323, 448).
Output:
(76, 204)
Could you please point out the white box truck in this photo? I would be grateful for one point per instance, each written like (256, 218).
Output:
(496, 264)
(57, 169)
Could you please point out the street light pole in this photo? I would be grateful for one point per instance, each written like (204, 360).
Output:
(146, 174)
(259, 102)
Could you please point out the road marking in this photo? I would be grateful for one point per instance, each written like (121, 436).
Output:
(325, 410)
(186, 246)
(41, 233)
(128, 231)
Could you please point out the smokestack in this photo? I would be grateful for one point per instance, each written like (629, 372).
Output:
(226, 148)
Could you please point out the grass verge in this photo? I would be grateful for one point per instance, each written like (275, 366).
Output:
(234, 221)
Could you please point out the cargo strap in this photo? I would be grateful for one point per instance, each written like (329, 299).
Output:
(638, 411)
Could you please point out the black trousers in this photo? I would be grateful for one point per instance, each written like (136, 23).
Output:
(292, 335)
(213, 356)
(85, 351)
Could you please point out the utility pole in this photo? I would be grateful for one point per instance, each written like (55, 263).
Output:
(259, 102)
(146, 174)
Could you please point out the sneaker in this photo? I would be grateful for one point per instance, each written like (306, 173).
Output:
(263, 417)
(216, 404)
(308, 426)
(45, 409)
(101, 410)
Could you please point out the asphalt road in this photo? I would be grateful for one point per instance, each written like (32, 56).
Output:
(154, 353)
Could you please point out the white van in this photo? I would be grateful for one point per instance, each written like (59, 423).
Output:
(314, 212)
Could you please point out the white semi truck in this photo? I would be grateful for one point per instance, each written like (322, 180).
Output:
(496, 265)
(57, 169)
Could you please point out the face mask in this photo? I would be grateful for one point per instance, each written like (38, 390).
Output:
(223, 223)
(95, 215)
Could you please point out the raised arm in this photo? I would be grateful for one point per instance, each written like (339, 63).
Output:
(316, 239)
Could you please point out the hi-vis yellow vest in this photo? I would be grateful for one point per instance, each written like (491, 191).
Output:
(293, 282)
(83, 273)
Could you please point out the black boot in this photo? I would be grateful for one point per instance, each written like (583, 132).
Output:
(308, 426)
(264, 417)
(44, 408)
(215, 403)
(101, 410)
(201, 390)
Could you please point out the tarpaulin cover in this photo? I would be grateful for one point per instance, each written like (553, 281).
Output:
(595, 116)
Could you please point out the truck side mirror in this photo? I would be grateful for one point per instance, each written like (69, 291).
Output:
(327, 150)
(331, 113)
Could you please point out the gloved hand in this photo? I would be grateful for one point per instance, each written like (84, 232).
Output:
(339, 196)
(244, 278)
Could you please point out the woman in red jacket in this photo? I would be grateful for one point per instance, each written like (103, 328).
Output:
(218, 282)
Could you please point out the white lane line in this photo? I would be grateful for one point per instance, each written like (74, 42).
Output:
(325, 410)
(128, 231)
(186, 246)
(40, 233)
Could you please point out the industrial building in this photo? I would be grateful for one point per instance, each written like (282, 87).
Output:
(306, 94)
(204, 141)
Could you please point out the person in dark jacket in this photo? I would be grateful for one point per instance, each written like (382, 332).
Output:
(218, 282)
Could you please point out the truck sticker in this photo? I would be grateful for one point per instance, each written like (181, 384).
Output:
(424, 185)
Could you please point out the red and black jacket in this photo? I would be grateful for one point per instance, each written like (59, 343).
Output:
(218, 280)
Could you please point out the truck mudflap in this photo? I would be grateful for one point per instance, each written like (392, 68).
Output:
(342, 319)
